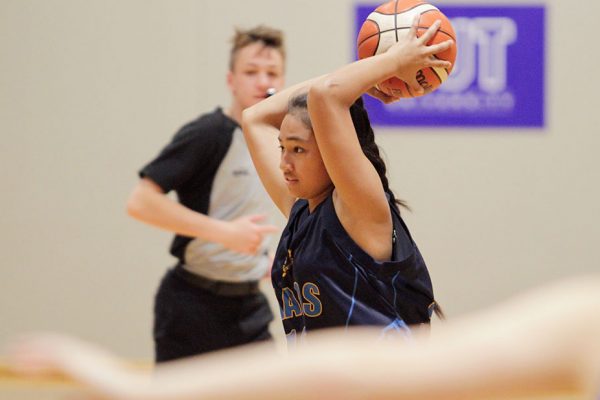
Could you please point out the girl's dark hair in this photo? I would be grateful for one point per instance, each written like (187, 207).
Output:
(298, 107)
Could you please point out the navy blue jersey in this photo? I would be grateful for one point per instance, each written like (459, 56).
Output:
(323, 279)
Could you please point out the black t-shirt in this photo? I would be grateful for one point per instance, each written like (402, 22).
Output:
(188, 164)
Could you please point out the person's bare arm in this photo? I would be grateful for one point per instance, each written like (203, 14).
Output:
(360, 200)
(261, 124)
(149, 204)
(544, 342)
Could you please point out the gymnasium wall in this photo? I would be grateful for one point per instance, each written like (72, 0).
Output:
(91, 90)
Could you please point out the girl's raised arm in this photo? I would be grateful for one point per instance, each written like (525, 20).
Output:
(360, 200)
(261, 124)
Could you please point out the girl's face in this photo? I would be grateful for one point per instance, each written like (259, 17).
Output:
(301, 162)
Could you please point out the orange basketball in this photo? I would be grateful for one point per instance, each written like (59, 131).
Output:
(394, 18)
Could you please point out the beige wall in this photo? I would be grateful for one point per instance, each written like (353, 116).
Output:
(90, 90)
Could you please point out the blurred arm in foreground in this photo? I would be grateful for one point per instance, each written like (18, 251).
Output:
(546, 341)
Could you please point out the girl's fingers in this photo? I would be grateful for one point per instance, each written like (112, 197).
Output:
(386, 99)
(441, 64)
(440, 47)
(383, 90)
(380, 95)
(436, 62)
(430, 32)
(412, 33)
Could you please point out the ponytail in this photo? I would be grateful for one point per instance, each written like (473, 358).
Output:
(298, 106)
(366, 138)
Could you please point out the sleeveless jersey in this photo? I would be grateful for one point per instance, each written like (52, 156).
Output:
(323, 279)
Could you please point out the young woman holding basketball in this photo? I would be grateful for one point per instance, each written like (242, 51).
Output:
(345, 257)
(543, 343)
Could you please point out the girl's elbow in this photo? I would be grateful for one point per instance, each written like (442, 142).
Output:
(326, 91)
(249, 116)
(320, 91)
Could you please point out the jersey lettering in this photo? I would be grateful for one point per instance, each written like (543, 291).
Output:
(312, 305)
(302, 302)
(291, 306)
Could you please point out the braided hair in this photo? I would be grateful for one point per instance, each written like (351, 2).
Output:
(298, 107)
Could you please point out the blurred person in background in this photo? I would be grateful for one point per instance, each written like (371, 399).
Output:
(211, 299)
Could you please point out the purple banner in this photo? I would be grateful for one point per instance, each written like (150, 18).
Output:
(498, 79)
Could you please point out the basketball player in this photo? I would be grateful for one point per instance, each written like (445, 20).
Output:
(345, 257)
(543, 343)
(211, 300)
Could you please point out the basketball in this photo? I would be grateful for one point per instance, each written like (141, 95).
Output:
(388, 22)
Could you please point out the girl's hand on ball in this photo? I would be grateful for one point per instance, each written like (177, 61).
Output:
(412, 53)
(386, 98)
